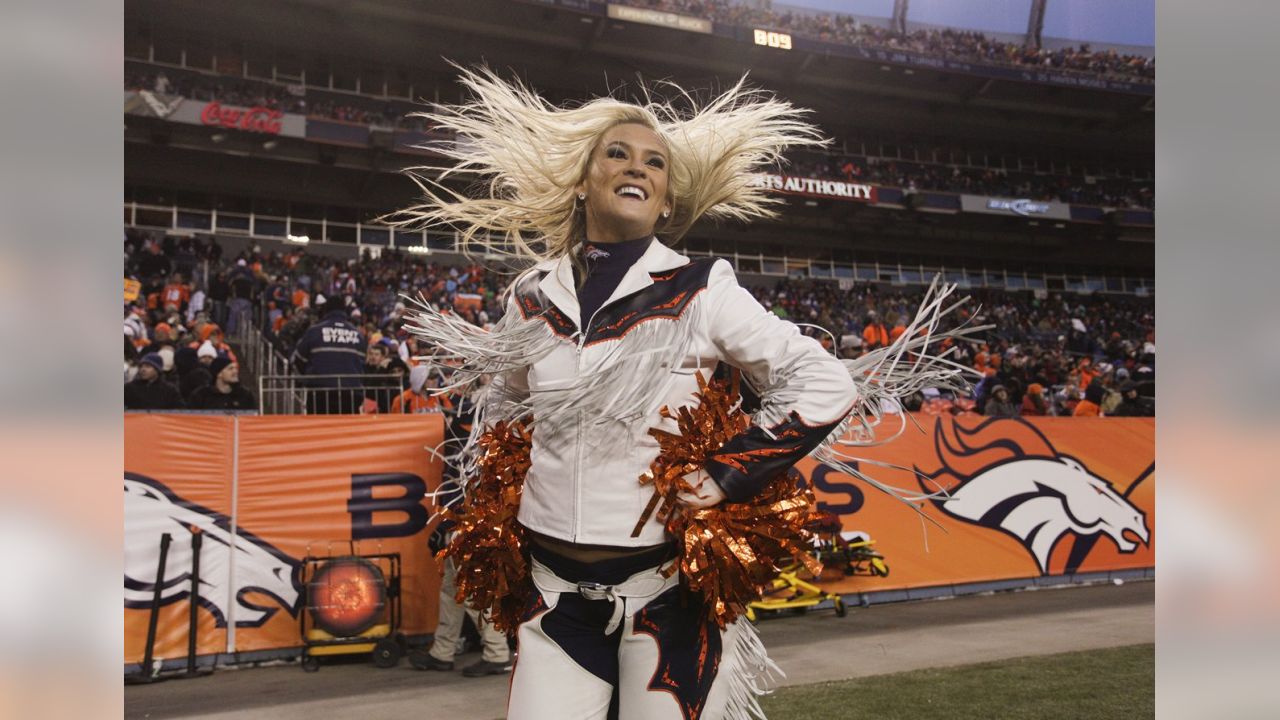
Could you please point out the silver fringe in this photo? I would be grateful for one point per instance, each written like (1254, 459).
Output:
(752, 674)
(629, 382)
(891, 374)
(464, 352)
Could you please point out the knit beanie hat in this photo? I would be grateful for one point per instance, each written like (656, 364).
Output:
(218, 364)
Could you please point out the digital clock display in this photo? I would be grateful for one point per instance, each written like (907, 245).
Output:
(772, 39)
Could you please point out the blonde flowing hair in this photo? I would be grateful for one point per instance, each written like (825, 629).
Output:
(531, 155)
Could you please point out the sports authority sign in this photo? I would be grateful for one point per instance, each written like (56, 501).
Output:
(815, 187)
(1020, 207)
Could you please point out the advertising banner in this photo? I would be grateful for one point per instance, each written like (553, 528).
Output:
(1015, 207)
(659, 18)
(1028, 498)
(1137, 217)
(938, 202)
(338, 132)
(177, 475)
(1126, 216)
(266, 492)
(816, 187)
(215, 114)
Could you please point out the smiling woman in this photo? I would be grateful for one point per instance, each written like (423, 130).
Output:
(560, 541)
(625, 190)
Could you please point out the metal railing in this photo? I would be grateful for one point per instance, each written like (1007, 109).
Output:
(285, 394)
(257, 355)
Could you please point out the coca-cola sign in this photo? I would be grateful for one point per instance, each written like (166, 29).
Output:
(255, 119)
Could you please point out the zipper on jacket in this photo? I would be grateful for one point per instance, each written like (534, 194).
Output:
(577, 465)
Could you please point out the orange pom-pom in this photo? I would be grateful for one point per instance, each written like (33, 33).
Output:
(488, 545)
(730, 552)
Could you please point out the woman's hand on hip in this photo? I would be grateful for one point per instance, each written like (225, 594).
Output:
(706, 492)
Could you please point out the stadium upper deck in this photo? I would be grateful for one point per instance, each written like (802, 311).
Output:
(905, 131)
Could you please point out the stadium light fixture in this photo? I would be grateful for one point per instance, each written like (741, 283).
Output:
(299, 239)
(419, 249)
(269, 145)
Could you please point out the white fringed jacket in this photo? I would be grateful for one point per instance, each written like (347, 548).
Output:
(594, 393)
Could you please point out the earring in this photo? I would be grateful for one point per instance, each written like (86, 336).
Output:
(582, 196)
(666, 214)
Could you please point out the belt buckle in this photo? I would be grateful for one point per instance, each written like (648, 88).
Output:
(593, 590)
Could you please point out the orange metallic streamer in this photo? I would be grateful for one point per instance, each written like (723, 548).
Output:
(488, 545)
(730, 552)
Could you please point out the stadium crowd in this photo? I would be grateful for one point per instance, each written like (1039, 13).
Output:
(1064, 354)
(1061, 354)
(224, 89)
(949, 43)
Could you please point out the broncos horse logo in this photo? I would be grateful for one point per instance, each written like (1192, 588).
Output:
(151, 509)
(1004, 474)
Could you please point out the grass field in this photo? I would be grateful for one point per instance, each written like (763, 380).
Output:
(1094, 685)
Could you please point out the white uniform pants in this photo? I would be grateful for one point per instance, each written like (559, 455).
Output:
(449, 631)
(663, 662)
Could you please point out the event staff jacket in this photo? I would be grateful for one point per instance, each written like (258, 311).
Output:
(583, 485)
(332, 346)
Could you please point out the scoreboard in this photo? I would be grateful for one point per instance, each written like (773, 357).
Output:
(773, 39)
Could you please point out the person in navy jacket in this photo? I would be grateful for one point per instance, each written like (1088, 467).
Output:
(332, 354)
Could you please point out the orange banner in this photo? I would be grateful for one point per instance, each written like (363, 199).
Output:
(1045, 496)
(177, 474)
(1028, 497)
(266, 492)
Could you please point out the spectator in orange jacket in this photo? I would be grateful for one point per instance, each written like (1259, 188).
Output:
(980, 360)
(175, 295)
(416, 399)
(898, 330)
(1087, 373)
(1091, 405)
(1033, 401)
(875, 334)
